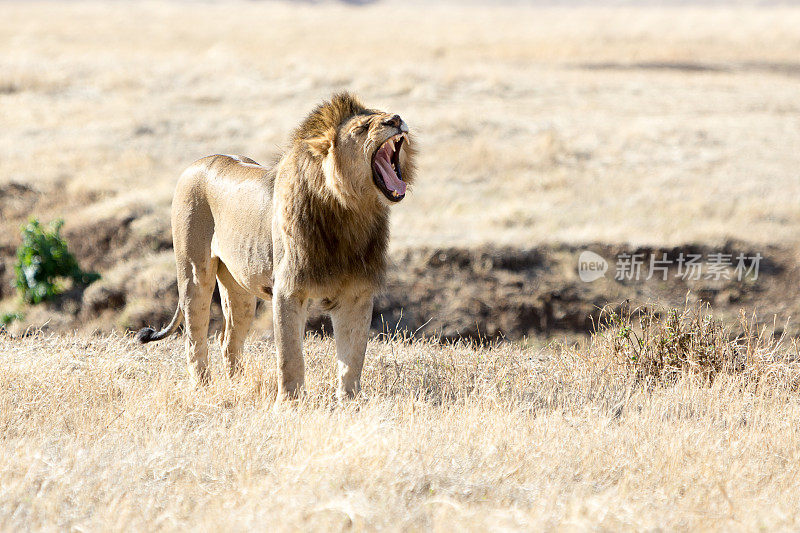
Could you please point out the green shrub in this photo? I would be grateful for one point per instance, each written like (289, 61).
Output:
(8, 318)
(42, 259)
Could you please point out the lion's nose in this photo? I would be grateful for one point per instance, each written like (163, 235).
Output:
(394, 121)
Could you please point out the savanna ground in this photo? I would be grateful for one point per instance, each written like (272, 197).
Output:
(539, 129)
(101, 433)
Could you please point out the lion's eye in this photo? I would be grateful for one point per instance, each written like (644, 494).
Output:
(362, 129)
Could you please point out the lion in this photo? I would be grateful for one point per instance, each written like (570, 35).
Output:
(313, 227)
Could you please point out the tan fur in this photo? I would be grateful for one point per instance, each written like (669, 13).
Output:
(313, 227)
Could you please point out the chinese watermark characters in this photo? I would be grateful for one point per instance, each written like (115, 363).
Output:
(714, 266)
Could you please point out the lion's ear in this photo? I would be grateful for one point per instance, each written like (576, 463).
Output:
(321, 145)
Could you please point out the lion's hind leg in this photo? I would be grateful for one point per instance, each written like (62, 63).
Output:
(196, 295)
(192, 233)
(238, 309)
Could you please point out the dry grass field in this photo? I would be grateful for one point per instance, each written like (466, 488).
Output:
(640, 126)
(657, 125)
(103, 434)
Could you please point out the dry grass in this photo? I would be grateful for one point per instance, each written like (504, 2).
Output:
(105, 434)
(658, 125)
(661, 344)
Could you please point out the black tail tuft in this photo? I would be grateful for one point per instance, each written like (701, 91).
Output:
(149, 334)
(145, 335)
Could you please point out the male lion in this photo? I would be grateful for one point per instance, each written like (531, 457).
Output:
(314, 227)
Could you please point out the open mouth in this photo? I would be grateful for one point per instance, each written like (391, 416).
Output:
(386, 168)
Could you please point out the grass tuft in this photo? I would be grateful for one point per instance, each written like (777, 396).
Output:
(659, 345)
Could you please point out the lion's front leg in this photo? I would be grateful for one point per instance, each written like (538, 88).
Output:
(351, 318)
(289, 320)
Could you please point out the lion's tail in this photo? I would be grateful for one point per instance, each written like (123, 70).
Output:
(149, 334)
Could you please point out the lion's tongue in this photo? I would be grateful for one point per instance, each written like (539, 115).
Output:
(390, 179)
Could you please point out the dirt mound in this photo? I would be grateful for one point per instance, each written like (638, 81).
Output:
(489, 292)
(482, 293)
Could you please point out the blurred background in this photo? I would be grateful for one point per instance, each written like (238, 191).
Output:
(545, 129)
